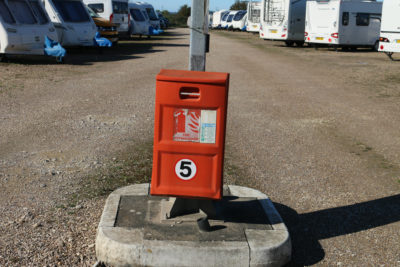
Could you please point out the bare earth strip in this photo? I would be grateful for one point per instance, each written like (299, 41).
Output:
(316, 130)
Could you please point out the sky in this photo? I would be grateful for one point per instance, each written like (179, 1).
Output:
(174, 5)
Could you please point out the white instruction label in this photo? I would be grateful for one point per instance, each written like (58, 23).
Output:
(208, 126)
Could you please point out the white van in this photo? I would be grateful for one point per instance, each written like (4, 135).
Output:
(343, 23)
(72, 21)
(115, 11)
(217, 16)
(154, 20)
(139, 20)
(24, 25)
(283, 20)
(239, 20)
(390, 28)
(253, 16)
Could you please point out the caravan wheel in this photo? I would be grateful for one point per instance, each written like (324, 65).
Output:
(3, 58)
(299, 43)
(289, 43)
(375, 47)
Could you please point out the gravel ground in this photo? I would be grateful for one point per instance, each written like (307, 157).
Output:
(316, 130)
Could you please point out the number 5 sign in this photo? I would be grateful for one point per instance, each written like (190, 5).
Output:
(185, 169)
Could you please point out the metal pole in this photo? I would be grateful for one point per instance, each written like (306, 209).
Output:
(198, 32)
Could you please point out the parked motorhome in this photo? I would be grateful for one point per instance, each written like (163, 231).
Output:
(343, 23)
(217, 18)
(224, 20)
(24, 26)
(116, 11)
(154, 20)
(283, 20)
(229, 20)
(239, 20)
(253, 16)
(140, 22)
(390, 28)
(73, 23)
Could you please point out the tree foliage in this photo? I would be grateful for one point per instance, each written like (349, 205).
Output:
(238, 5)
(178, 19)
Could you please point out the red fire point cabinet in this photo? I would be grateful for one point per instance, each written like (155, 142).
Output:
(189, 134)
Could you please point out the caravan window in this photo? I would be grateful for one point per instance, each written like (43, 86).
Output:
(72, 11)
(98, 8)
(225, 16)
(21, 11)
(120, 7)
(230, 17)
(5, 13)
(362, 19)
(151, 13)
(345, 18)
(145, 15)
(239, 15)
(39, 12)
(255, 15)
(137, 15)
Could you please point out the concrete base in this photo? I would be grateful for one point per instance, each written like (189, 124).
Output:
(247, 231)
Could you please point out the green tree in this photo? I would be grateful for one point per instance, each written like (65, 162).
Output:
(178, 19)
(239, 5)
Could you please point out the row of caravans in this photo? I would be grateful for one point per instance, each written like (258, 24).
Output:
(338, 23)
(27, 26)
(341, 23)
(230, 20)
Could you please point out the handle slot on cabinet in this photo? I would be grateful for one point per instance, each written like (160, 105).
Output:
(189, 93)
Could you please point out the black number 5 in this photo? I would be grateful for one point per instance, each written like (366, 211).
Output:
(186, 169)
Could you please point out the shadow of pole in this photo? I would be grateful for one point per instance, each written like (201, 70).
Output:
(307, 229)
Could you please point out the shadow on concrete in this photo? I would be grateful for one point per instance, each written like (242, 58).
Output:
(307, 229)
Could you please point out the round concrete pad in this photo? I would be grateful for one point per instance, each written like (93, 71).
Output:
(247, 232)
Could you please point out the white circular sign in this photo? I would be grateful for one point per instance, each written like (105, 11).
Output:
(185, 169)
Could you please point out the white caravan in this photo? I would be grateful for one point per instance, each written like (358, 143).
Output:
(253, 16)
(23, 27)
(115, 11)
(239, 20)
(283, 20)
(154, 20)
(229, 20)
(224, 20)
(217, 18)
(72, 21)
(390, 28)
(140, 22)
(343, 23)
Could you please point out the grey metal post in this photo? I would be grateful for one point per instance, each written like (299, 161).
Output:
(198, 31)
(197, 62)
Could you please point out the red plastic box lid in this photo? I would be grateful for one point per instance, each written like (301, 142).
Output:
(193, 76)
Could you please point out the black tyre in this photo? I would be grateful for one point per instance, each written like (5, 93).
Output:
(299, 43)
(289, 43)
(376, 46)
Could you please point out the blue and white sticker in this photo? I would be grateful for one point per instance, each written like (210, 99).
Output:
(208, 126)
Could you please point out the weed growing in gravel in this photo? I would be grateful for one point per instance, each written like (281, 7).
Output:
(132, 166)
